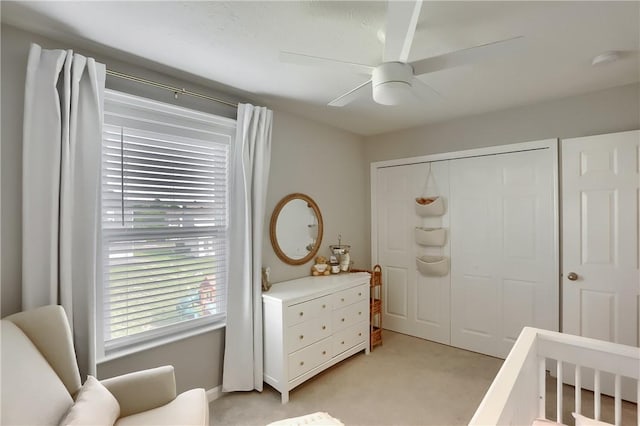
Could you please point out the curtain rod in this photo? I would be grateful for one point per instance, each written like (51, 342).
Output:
(176, 90)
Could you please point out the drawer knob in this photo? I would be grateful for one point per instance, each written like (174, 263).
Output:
(360, 313)
(342, 343)
(324, 327)
(342, 300)
(301, 362)
(301, 336)
(359, 294)
(359, 334)
(324, 306)
(301, 313)
(324, 352)
(342, 320)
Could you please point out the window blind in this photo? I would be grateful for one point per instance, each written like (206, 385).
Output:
(164, 224)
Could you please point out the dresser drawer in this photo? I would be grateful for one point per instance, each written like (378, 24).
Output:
(308, 332)
(350, 337)
(350, 296)
(345, 317)
(310, 357)
(303, 311)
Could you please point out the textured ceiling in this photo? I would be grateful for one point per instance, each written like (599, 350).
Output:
(238, 43)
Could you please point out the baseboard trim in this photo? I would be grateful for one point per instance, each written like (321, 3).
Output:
(213, 394)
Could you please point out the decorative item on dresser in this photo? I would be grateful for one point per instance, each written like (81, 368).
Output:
(311, 324)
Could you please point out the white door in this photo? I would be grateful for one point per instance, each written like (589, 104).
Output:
(600, 222)
(412, 304)
(504, 270)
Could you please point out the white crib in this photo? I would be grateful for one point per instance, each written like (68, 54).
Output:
(517, 395)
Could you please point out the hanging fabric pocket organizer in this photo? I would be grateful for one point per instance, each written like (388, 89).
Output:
(431, 206)
(427, 206)
(430, 236)
(433, 266)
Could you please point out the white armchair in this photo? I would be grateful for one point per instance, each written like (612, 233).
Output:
(40, 379)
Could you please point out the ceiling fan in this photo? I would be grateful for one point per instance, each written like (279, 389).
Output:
(395, 77)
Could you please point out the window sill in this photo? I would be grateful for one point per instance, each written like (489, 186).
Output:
(160, 341)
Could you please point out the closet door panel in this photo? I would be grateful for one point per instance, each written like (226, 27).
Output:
(473, 223)
(429, 309)
(518, 307)
(432, 297)
(529, 267)
(519, 227)
(394, 244)
(397, 282)
(503, 229)
(474, 253)
(413, 304)
(479, 302)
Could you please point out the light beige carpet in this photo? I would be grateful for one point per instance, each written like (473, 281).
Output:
(407, 381)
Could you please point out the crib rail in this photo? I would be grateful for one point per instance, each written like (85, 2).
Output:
(518, 393)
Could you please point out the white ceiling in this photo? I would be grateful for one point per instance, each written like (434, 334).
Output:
(238, 43)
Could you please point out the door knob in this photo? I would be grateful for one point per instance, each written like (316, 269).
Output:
(572, 276)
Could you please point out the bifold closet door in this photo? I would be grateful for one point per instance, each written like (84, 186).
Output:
(413, 304)
(504, 267)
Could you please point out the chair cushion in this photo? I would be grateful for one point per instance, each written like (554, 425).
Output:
(32, 393)
(94, 406)
(48, 329)
(189, 408)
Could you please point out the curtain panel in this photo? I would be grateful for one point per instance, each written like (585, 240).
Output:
(250, 172)
(62, 139)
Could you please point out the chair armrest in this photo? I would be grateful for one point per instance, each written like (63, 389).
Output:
(143, 390)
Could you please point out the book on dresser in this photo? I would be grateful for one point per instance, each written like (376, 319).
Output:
(312, 323)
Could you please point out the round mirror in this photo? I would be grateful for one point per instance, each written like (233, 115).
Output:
(296, 229)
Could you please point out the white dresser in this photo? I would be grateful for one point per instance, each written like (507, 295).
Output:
(311, 324)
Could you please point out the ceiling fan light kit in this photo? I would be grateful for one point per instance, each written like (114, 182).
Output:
(392, 83)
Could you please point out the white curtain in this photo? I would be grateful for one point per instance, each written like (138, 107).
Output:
(250, 164)
(62, 137)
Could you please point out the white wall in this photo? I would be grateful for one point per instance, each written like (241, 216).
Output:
(606, 111)
(328, 165)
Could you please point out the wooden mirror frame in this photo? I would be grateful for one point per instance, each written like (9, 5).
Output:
(274, 220)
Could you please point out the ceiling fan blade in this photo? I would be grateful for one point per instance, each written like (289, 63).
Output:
(351, 95)
(402, 18)
(424, 91)
(300, 59)
(466, 56)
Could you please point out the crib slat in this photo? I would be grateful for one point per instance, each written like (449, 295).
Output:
(542, 388)
(559, 392)
(596, 394)
(618, 402)
(638, 404)
(578, 390)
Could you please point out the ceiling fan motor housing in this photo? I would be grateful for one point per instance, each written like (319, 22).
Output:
(391, 82)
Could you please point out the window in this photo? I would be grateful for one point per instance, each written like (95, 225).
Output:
(165, 178)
